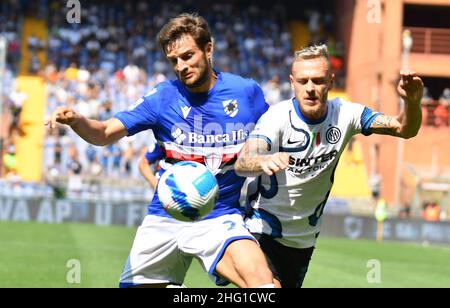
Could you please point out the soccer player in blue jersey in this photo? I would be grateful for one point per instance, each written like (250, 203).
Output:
(204, 115)
(295, 149)
(152, 156)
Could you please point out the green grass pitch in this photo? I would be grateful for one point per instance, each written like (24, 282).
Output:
(37, 255)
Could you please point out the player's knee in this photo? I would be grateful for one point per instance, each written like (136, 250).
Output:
(251, 267)
(255, 274)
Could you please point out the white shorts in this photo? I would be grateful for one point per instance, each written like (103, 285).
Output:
(163, 248)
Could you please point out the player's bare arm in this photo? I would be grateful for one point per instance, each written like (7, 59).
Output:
(407, 124)
(146, 171)
(254, 159)
(92, 131)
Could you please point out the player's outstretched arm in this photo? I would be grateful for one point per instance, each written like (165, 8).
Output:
(254, 160)
(407, 124)
(92, 131)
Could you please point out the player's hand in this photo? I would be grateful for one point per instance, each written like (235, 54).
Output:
(275, 162)
(410, 87)
(63, 115)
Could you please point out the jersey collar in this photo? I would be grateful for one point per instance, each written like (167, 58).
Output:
(201, 95)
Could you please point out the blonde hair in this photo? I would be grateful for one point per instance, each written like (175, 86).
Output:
(311, 52)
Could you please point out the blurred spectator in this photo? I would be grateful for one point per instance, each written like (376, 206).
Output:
(71, 72)
(441, 115)
(431, 212)
(128, 155)
(444, 99)
(91, 155)
(10, 161)
(35, 64)
(83, 75)
(116, 154)
(426, 103)
(405, 212)
(74, 165)
(96, 168)
(337, 62)
(381, 212)
(51, 74)
(426, 97)
(375, 184)
(442, 110)
(33, 43)
(314, 23)
(131, 73)
(58, 153)
(13, 50)
(17, 99)
(74, 184)
(272, 90)
(105, 111)
(106, 158)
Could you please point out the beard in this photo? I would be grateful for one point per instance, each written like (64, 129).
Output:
(315, 112)
(204, 73)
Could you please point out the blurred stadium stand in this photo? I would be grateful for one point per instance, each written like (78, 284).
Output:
(110, 59)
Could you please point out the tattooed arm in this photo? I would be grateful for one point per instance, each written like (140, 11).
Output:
(254, 159)
(407, 124)
(386, 125)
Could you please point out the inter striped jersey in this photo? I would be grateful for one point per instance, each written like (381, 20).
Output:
(288, 205)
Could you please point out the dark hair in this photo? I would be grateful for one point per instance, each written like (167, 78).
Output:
(190, 24)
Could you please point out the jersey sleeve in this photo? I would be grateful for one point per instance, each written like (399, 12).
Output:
(367, 117)
(142, 115)
(362, 118)
(153, 153)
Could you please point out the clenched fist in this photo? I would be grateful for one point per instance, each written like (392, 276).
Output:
(410, 87)
(271, 164)
(63, 115)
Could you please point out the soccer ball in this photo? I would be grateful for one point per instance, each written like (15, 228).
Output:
(188, 191)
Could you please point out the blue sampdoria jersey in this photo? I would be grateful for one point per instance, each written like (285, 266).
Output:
(209, 128)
